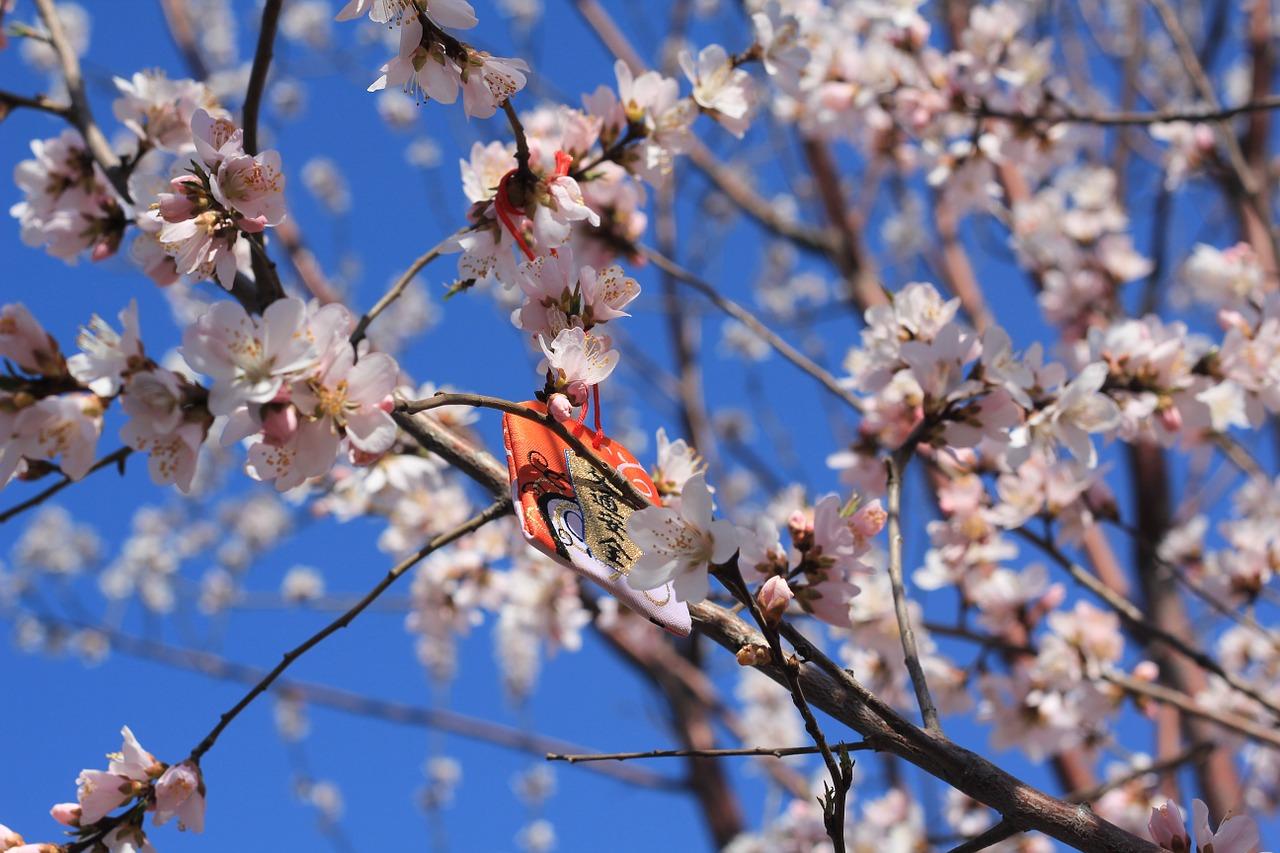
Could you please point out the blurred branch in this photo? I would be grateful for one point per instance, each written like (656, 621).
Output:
(760, 751)
(79, 112)
(1139, 623)
(495, 510)
(178, 18)
(1228, 720)
(10, 101)
(749, 320)
(348, 702)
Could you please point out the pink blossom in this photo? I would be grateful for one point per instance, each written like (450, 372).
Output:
(159, 110)
(105, 354)
(250, 358)
(679, 546)
(24, 342)
(1236, 833)
(101, 793)
(576, 356)
(67, 426)
(180, 791)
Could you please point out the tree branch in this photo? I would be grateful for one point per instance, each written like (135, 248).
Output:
(116, 457)
(896, 465)
(835, 691)
(401, 283)
(759, 752)
(79, 112)
(258, 74)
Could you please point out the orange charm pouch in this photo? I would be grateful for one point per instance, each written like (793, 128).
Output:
(571, 513)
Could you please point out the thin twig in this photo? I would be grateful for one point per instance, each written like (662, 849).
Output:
(760, 751)
(495, 510)
(841, 772)
(1134, 617)
(79, 112)
(1120, 119)
(991, 837)
(401, 283)
(1184, 703)
(258, 74)
(896, 465)
(1196, 752)
(12, 101)
(836, 691)
(1226, 134)
(619, 482)
(113, 458)
(749, 320)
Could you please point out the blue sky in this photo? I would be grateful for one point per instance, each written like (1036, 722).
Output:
(60, 715)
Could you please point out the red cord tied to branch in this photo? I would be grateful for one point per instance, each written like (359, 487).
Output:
(507, 212)
(599, 437)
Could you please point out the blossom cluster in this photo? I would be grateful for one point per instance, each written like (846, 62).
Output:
(135, 781)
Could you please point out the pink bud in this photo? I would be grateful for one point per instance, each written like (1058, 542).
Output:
(102, 250)
(279, 423)
(1170, 418)
(67, 814)
(577, 391)
(1229, 319)
(1147, 670)
(560, 407)
(773, 598)
(251, 226)
(387, 404)
(801, 530)
(176, 207)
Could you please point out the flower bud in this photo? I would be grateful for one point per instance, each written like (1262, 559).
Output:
(753, 654)
(560, 407)
(176, 206)
(577, 391)
(279, 424)
(1170, 418)
(103, 249)
(801, 529)
(773, 598)
(67, 814)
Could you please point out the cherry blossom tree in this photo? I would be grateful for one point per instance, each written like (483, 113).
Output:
(890, 520)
